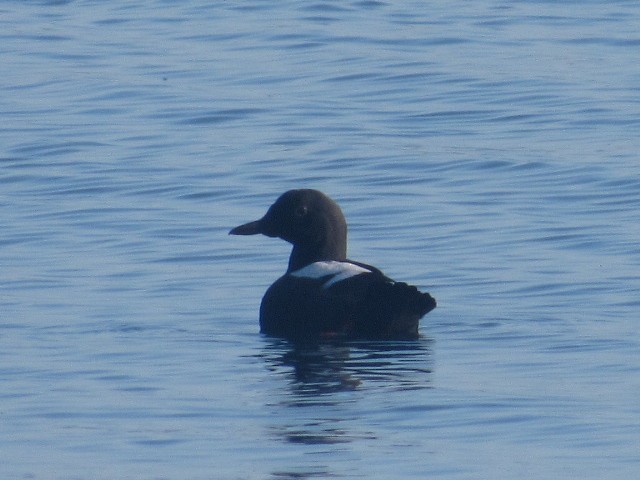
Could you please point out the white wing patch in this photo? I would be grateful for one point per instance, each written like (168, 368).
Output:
(339, 271)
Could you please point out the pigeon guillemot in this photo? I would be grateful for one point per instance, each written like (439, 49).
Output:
(323, 294)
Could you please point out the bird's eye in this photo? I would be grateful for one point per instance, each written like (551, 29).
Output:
(300, 211)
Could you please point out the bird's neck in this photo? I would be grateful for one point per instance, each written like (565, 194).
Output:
(301, 256)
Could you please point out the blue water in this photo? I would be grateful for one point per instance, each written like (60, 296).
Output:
(484, 151)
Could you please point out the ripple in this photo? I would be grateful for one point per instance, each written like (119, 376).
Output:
(483, 152)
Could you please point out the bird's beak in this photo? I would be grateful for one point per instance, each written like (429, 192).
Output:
(251, 228)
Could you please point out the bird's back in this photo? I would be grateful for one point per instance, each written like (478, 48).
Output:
(363, 305)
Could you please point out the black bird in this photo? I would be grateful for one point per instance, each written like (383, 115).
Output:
(323, 294)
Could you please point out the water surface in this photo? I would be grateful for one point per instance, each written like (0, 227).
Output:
(485, 152)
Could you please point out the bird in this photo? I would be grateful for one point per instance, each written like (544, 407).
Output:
(323, 294)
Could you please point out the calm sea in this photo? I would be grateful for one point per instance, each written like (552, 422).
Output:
(484, 151)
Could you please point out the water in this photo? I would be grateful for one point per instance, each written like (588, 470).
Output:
(484, 151)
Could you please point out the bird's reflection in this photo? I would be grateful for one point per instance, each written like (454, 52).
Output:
(319, 374)
(317, 370)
